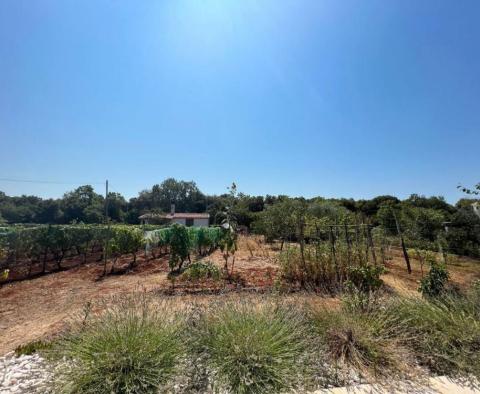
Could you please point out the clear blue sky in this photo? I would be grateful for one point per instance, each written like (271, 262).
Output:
(331, 98)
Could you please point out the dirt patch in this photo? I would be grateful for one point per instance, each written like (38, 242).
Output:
(463, 271)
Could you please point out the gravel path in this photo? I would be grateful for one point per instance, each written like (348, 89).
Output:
(29, 375)
(24, 374)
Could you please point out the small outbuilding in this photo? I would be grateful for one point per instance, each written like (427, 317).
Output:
(186, 218)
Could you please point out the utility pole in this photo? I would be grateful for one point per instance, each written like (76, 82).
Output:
(105, 247)
(106, 201)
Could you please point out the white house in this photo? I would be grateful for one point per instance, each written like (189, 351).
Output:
(189, 219)
(185, 218)
(476, 208)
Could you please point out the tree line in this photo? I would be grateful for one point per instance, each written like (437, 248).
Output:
(422, 219)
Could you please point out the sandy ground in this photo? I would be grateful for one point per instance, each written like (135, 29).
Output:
(38, 308)
(441, 385)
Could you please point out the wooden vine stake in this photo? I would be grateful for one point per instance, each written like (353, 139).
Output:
(370, 240)
(357, 242)
(405, 254)
(334, 255)
(347, 240)
(365, 238)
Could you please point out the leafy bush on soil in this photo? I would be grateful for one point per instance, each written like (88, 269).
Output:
(253, 348)
(366, 278)
(131, 347)
(433, 284)
(200, 270)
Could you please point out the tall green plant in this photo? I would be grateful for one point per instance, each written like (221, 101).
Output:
(228, 241)
(434, 283)
(179, 246)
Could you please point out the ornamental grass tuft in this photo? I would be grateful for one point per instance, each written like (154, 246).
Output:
(132, 346)
(254, 347)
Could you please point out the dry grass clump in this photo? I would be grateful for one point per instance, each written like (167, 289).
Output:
(363, 344)
(316, 270)
(443, 333)
(258, 347)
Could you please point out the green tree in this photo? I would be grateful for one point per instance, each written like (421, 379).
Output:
(277, 221)
(83, 205)
(117, 206)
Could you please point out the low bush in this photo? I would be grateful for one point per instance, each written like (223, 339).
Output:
(199, 270)
(253, 347)
(131, 347)
(434, 283)
(366, 278)
(319, 268)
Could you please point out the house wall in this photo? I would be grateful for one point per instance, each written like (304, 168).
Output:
(200, 222)
(196, 222)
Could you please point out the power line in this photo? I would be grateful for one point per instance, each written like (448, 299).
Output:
(49, 182)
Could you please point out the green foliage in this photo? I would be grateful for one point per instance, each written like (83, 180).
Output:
(125, 240)
(38, 243)
(83, 205)
(204, 239)
(253, 348)
(179, 243)
(228, 241)
(463, 236)
(228, 246)
(33, 347)
(277, 221)
(433, 284)
(421, 218)
(200, 270)
(133, 347)
(366, 278)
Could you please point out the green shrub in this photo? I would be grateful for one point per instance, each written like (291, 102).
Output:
(131, 347)
(366, 278)
(433, 284)
(253, 348)
(200, 270)
(32, 347)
